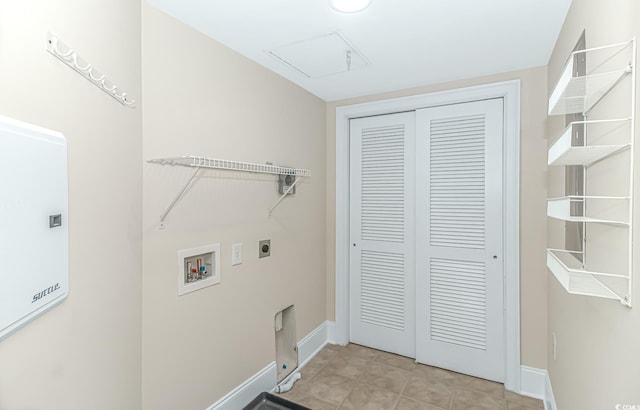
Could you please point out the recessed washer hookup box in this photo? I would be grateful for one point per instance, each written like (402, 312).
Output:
(34, 222)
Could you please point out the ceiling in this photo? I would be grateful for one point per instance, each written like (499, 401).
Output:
(393, 44)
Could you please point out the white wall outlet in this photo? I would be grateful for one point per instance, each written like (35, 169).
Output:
(236, 254)
(555, 343)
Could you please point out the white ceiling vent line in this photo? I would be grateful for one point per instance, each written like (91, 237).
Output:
(320, 56)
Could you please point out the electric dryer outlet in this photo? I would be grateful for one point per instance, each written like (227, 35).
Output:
(264, 248)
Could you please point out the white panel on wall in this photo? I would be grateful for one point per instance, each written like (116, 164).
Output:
(34, 234)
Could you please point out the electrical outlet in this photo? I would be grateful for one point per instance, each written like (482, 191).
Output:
(264, 248)
(284, 184)
(555, 343)
(236, 254)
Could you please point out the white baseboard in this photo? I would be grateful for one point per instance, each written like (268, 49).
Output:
(533, 382)
(331, 331)
(536, 383)
(311, 344)
(242, 395)
(266, 379)
(549, 400)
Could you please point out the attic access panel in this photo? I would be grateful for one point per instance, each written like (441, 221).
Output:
(320, 56)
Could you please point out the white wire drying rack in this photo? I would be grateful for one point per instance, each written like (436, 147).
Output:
(71, 58)
(200, 163)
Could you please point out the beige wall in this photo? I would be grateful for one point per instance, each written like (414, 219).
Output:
(597, 340)
(201, 98)
(85, 353)
(532, 203)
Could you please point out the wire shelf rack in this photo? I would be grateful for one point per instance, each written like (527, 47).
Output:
(575, 93)
(214, 163)
(200, 163)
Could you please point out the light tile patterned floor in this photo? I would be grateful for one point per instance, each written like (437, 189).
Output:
(358, 378)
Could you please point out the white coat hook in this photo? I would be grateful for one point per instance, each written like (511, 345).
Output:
(54, 45)
(86, 68)
(349, 60)
(73, 60)
(96, 79)
(103, 84)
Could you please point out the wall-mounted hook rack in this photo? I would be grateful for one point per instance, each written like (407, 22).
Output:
(71, 58)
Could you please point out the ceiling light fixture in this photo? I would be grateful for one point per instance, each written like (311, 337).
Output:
(350, 6)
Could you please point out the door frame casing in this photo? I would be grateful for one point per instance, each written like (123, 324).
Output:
(510, 92)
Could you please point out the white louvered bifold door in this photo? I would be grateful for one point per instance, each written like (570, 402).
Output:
(382, 310)
(459, 283)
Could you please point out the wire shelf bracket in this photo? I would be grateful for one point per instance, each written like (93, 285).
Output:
(200, 163)
(284, 195)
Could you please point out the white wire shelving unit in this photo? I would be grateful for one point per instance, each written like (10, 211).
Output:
(562, 152)
(576, 280)
(202, 163)
(581, 94)
(560, 208)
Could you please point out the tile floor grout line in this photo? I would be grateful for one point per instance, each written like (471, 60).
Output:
(395, 405)
(347, 395)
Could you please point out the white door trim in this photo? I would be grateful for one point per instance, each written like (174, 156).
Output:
(510, 91)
